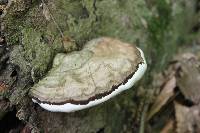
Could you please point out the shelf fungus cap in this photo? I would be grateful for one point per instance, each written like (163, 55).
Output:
(82, 79)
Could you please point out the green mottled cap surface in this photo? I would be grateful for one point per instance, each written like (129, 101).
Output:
(81, 76)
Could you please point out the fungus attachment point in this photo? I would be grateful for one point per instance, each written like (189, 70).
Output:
(82, 79)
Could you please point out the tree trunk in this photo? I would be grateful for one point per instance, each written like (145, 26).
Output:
(34, 31)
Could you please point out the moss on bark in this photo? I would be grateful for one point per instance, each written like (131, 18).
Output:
(36, 30)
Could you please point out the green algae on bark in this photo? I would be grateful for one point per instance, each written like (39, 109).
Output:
(154, 25)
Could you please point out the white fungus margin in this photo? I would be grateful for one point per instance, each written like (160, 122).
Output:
(69, 107)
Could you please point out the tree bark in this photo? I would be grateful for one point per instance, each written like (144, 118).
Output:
(34, 31)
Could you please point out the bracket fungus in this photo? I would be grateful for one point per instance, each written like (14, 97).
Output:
(82, 79)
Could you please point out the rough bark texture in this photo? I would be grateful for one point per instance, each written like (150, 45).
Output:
(33, 31)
